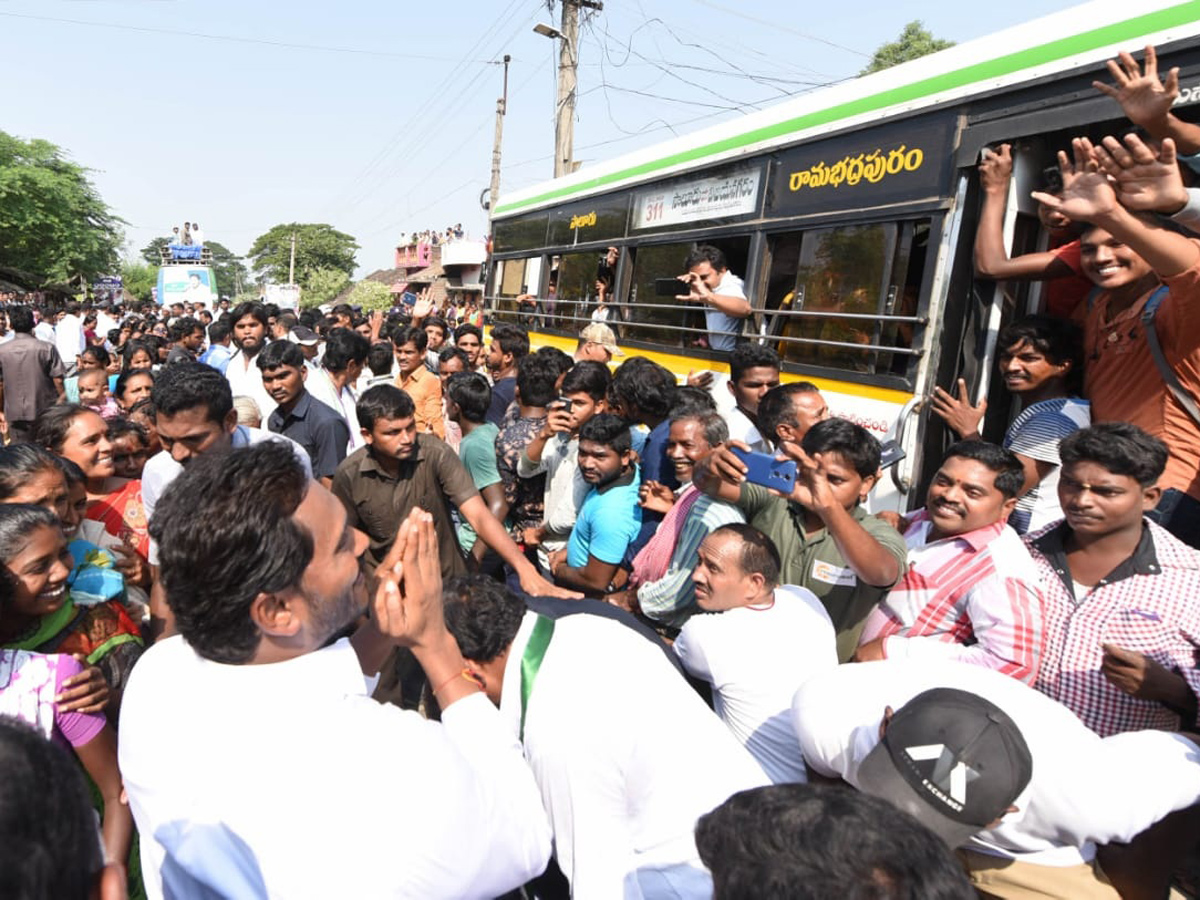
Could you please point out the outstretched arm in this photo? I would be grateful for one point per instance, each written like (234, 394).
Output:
(1147, 100)
(1088, 196)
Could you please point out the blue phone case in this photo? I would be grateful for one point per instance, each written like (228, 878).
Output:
(764, 469)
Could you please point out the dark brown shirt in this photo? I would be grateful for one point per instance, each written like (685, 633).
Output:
(28, 368)
(376, 502)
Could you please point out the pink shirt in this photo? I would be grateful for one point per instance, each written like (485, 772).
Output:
(973, 597)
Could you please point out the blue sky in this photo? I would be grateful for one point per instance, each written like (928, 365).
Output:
(377, 117)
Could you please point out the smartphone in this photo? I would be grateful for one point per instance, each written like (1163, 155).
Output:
(669, 287)
(890, 453)
(764, 469)
(559, 403)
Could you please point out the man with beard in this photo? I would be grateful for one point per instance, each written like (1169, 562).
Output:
(194, 416)
(213, 721)
(610, 516)
(970, 592)
(249, 335)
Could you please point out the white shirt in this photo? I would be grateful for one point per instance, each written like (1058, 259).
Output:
(625, 753)
(723, 328)
(197, 237)
(1085, 790)
(343, 402)
(245, 380)
(755, 659)
(741, 428)
(161, 469)
(68, 338)
(332, 793)
(44, 331)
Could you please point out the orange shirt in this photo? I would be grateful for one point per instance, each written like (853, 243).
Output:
(1124, 385)
(425, 388)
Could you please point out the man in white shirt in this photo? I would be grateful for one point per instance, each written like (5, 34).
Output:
(194, 417)
(68, 336)
(251, 729)
(44, 330)
(625, 754)
(331, 381)
(725, 303)
(764, 641)
(1084, 791)
(249, 337)
(753, 371)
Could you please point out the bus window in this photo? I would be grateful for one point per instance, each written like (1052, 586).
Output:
(575, 289)
(665, 320)
(832, 293)
(513, 278)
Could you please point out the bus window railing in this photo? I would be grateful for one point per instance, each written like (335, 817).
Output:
(555, 320)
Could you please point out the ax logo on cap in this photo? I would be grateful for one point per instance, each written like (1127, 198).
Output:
(950, 775)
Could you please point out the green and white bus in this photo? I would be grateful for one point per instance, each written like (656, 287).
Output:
(850, 213)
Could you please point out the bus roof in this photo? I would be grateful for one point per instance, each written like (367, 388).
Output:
(1086, 35)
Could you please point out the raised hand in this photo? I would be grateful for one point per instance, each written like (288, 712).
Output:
(1144, 180)
(995, 169)
(656, 497)
(1087, 194)
(958, 413)
(1144, 98)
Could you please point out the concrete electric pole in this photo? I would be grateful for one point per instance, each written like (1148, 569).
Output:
(568, 63)
(501, 109)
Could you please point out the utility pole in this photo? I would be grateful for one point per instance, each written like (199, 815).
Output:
(292, 262)
(501, 109)
(568, 63)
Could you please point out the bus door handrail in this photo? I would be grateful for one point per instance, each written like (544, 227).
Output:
(903, 483)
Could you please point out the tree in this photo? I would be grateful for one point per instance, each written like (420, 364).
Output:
(317, 247)
(371, 295)
(53, 223)
(229, 270)
(322, 286)
(138, 278)
(914, 41)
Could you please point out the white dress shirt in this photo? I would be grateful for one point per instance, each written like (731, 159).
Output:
(245, 380)
(742, 428)
(69, 339)
(161, 469)
(755, 659)
(1085, 790)
(329, 793)
(625, 753)
(342, 402)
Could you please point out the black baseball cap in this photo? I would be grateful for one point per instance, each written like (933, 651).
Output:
(953, 760)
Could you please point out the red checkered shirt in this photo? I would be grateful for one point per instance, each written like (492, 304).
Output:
(1150, 604)
(973, 597)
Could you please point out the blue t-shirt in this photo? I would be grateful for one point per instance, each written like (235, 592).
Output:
(608, 520)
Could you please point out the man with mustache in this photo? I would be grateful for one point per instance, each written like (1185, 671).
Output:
(971, 590)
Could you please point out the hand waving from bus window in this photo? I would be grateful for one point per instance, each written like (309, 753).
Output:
(1147, 100)
(1144, 180)
(1087, 193)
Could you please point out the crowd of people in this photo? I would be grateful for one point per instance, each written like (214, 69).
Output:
(377, 605)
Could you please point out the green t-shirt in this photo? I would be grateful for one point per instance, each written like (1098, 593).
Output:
(816, 563)
(477, 451)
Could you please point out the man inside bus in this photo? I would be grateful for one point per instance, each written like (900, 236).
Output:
(720, 291)
(971, 591)
(1134, 259)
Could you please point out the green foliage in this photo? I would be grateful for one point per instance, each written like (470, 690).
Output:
(317, 247)
(371, 295)
(322, 286)
(914, 41)
(53, 223)
(138, 278)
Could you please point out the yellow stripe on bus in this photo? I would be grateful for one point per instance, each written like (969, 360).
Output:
(681, 365)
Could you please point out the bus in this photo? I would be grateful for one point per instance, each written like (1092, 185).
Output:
(850, 214)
